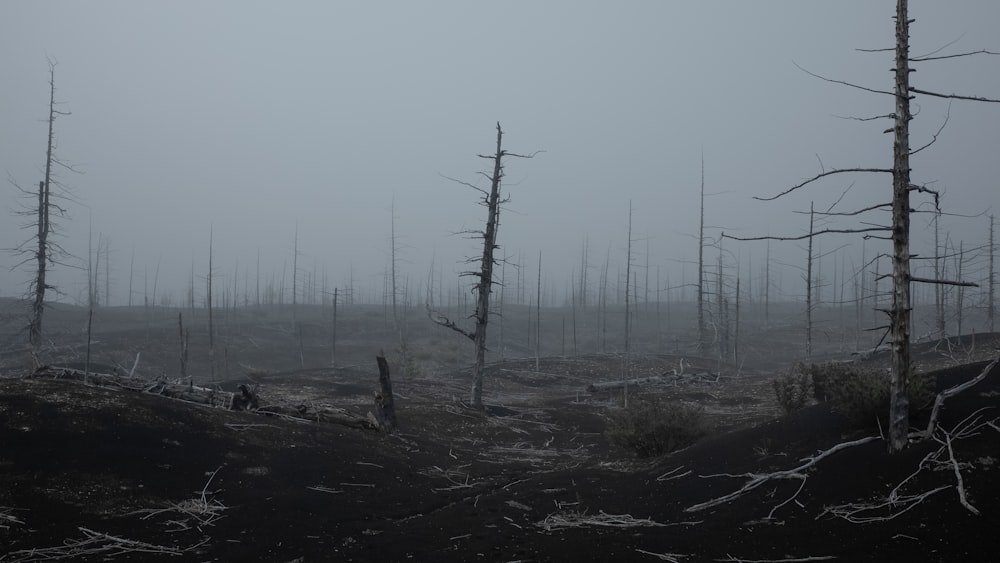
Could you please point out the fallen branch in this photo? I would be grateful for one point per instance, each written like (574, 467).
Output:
(92, 544)
(756, 480)
(7, 518)
(959, 482)
(784, 560)
(576, 519)
(671, 557)
(203, 510)
(950, 392)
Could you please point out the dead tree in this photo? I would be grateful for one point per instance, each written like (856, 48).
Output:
(41, 248)
(898, 230)
(208, 304)
(484, 286)
(538, 317)
(991, 280)
(626, 368)
(809, 285)
(703, 340)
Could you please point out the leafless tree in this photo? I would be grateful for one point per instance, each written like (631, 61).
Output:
(991, 282)
(208, 304)
(493, 202)
(42, 247)
(703, 339)
(898, 231)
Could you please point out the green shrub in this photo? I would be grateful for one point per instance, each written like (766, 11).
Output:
(862, 393)
(651, 427)
(793, 390)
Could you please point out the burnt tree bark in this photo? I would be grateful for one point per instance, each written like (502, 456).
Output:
(44, 252)
(385, 408)
(484, 286)
(899, 311)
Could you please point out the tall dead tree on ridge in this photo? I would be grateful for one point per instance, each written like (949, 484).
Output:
(484, 286)
(899, 229)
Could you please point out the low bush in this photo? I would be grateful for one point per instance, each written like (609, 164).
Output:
(862, 393)
(651, 427)
(793, 390)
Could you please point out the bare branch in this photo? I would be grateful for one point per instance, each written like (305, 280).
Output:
(823, 175)
(467, 184)
(954, 96)
(810, 235)
(841, 82)
(955, 56)
(855, 212)
(756, 480)
(951, 391)
(935, 136)
(442, 320)
(943, 282)
(872, 118)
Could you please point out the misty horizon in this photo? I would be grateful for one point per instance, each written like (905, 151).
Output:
(254, 122)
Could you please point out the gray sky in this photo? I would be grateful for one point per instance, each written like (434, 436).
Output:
(250, 117)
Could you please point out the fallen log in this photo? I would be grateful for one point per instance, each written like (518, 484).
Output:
(609, 385)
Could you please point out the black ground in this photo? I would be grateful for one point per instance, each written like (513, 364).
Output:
(138, 477)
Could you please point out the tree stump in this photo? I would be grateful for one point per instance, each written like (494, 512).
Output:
(385, 410)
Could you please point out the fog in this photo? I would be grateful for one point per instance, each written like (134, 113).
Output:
(256, 119)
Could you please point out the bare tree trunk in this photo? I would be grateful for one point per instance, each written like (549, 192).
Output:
(767, 284)
(899, 315)
(702, 328)
(107, 271)
(938, 288)
(991, 280)
(582, 296)
(208, 303)
(184, 344)
(809, 284)
(295, 276)
(603, 319)
(333, 337)
(573, 304)
(384, 404)
(131, 273)
(90, 324)
(44, 226)
(538, 316)
(38, 305)
(503, 286)
(960, 290)
(722, 328)
(628, 308)
(736, 338)
(485, 285)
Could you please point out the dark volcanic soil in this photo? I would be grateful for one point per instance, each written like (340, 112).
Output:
(534, 479)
